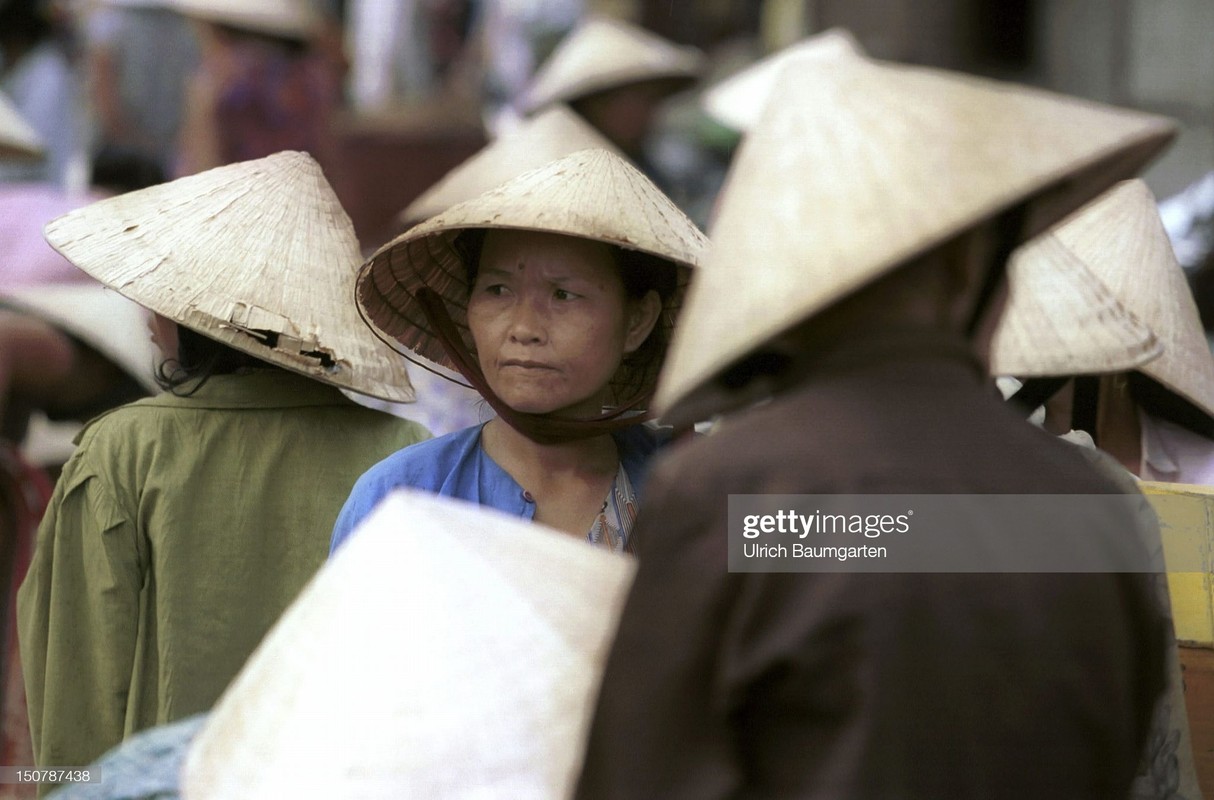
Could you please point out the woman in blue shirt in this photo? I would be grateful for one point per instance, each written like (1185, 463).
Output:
(554, 295)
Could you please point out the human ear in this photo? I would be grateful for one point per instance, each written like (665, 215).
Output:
(642, 316)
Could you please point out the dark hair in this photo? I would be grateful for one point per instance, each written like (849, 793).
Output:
(24, 21)
(291, 46)
(198, 359)
(121, 169)
(1162, 403)
(640, 273)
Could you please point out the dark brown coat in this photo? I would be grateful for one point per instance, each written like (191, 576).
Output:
(875, 686)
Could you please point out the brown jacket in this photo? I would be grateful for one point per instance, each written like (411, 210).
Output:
(879, 685)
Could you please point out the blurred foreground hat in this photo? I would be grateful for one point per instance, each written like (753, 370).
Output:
(603, 54)
(258, 255)
(17, 138)
(1060, 319)
(591, 194)
(901, 160)
(291, 19)
(100, 317)
(739, 100)
(549, 135)
(448, 650)
(1121, 239)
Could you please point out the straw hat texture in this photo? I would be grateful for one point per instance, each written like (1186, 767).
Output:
(604, 53)
(17, 138)
(292, 19)
(1061, 320)
(100, 317)
(857, 167)
(1121, 239)
(591, 194)
(259, 255)
(448, 650)
(553, 133)
(739, 100)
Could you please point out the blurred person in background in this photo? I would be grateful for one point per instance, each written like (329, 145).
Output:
(38, 76)
(140, 55)
(616, 76)
(1100, 326)
(263, 84)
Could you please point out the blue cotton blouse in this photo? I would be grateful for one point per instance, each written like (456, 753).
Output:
(456, 465)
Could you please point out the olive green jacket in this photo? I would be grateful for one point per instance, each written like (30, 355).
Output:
(179, 531)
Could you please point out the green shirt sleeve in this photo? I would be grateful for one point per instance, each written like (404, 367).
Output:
(78, 619)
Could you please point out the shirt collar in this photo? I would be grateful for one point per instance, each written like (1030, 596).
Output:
(271, 388)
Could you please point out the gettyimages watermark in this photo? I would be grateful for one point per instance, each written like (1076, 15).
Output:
(946, 533)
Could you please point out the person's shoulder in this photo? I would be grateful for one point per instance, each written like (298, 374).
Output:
(126, 421)
(399, 430)
(423, 464)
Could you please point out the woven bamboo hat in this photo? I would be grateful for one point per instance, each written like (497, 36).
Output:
(1121, 239)
(17, 138)
(553, 133)
(100, 317)
(901, 159)
(603, 54)
(1061, 320)
(258, 255)
(291, 19)
(591, 194)
(737, 101)
(448, 650)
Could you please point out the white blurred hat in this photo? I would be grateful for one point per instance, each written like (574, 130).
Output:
(448, 650)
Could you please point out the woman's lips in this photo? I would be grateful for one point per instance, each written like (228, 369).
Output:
(522, 364)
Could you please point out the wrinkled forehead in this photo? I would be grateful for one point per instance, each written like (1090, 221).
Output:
(547, 254)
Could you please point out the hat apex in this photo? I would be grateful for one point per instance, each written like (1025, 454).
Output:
(739, 100)
(603, 53)
(1121, 239)
(857, 167)
(553, 133)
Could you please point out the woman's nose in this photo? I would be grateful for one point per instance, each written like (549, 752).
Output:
(527, 323)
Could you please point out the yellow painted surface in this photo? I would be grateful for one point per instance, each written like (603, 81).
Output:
(1186, 522)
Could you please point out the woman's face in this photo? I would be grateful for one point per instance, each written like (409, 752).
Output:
(551, 321)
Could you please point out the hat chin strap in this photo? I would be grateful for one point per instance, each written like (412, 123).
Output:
(540, 428)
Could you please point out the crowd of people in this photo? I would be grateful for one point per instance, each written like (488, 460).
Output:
(241, 583)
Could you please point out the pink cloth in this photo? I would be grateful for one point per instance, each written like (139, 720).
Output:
(25, 257)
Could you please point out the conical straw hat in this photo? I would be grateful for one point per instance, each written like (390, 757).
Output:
(591, 194)
(604, 54)
(17, 138)
(100, 317)
(737, 101)
(258, 255)
(448, 650)
(1061, 320)
(292, 19)
(549, 135)
(857, 167)
(1121, 239)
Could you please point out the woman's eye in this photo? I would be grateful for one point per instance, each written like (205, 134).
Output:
(494, 289)
(561, 294)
